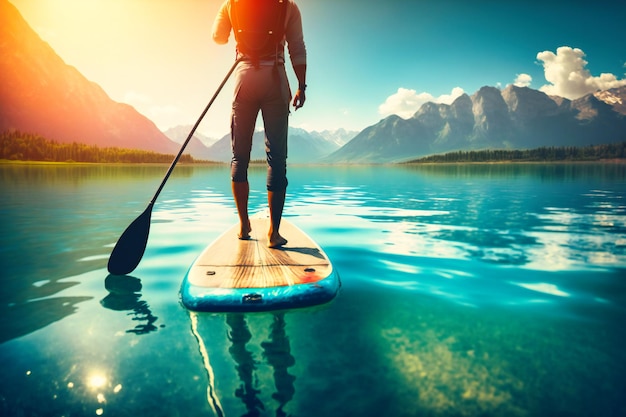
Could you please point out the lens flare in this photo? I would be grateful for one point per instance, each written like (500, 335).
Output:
(96, 381)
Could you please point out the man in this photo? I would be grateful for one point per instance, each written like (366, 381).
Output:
(261, 29)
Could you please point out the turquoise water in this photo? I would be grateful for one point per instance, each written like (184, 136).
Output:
(495, 290)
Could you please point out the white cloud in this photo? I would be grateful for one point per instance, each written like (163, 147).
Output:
(568, 77)
(406, 102)
(449, 98)
(523, 80)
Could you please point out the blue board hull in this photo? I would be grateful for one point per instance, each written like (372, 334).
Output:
(206, 299)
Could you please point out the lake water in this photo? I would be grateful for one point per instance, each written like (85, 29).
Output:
(491, 290)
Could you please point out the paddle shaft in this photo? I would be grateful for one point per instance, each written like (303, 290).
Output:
(130, 247)
(193, 130)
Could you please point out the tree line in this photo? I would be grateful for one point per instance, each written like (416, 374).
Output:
(543, 154)
(19, 146)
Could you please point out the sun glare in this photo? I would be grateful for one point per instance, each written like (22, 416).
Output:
(96, 381)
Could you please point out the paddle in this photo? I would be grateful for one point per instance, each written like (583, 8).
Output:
(131, 246)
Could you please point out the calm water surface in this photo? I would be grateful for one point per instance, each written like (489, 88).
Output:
(496, 290)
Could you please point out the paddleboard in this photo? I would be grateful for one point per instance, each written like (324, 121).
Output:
(245, 275)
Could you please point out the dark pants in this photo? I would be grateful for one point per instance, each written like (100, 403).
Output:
(264, 89)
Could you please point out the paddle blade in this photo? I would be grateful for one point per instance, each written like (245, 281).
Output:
(130, 247)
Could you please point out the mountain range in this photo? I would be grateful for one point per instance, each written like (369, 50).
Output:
(179, 134)
(304, 147)
(513, 118)
(41, 94)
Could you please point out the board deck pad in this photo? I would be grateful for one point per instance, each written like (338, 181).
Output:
(232, 274)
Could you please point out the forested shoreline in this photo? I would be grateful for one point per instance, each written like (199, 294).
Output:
(543, 154)
(18, 146)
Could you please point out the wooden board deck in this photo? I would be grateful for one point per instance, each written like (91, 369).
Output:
(234, 263)
(245, 275)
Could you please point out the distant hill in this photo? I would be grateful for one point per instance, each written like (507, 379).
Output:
(513, 118)
(610, 152)
(179, 134)
(198, 146)
(339, 136)
(304, 147)
(18, 146)
(41, 94)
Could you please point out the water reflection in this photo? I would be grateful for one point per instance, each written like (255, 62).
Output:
(542, 171)
(27, 317)
(125, 295)
(61, 174)
(276, 352)
(540, 217)
(246, 365)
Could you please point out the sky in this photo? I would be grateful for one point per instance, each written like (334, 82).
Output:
(367, 59)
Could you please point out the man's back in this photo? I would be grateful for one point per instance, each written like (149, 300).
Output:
(258, 25)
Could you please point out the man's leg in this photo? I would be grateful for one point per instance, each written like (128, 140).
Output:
(243, 118)
(275, 112)
(276, 119)
(240, 193)
(276, 202)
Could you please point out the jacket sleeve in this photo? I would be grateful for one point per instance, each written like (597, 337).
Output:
(295, 36)
(222, 25)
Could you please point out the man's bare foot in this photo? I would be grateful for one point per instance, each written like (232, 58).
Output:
(276, 241)
(244, 234)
